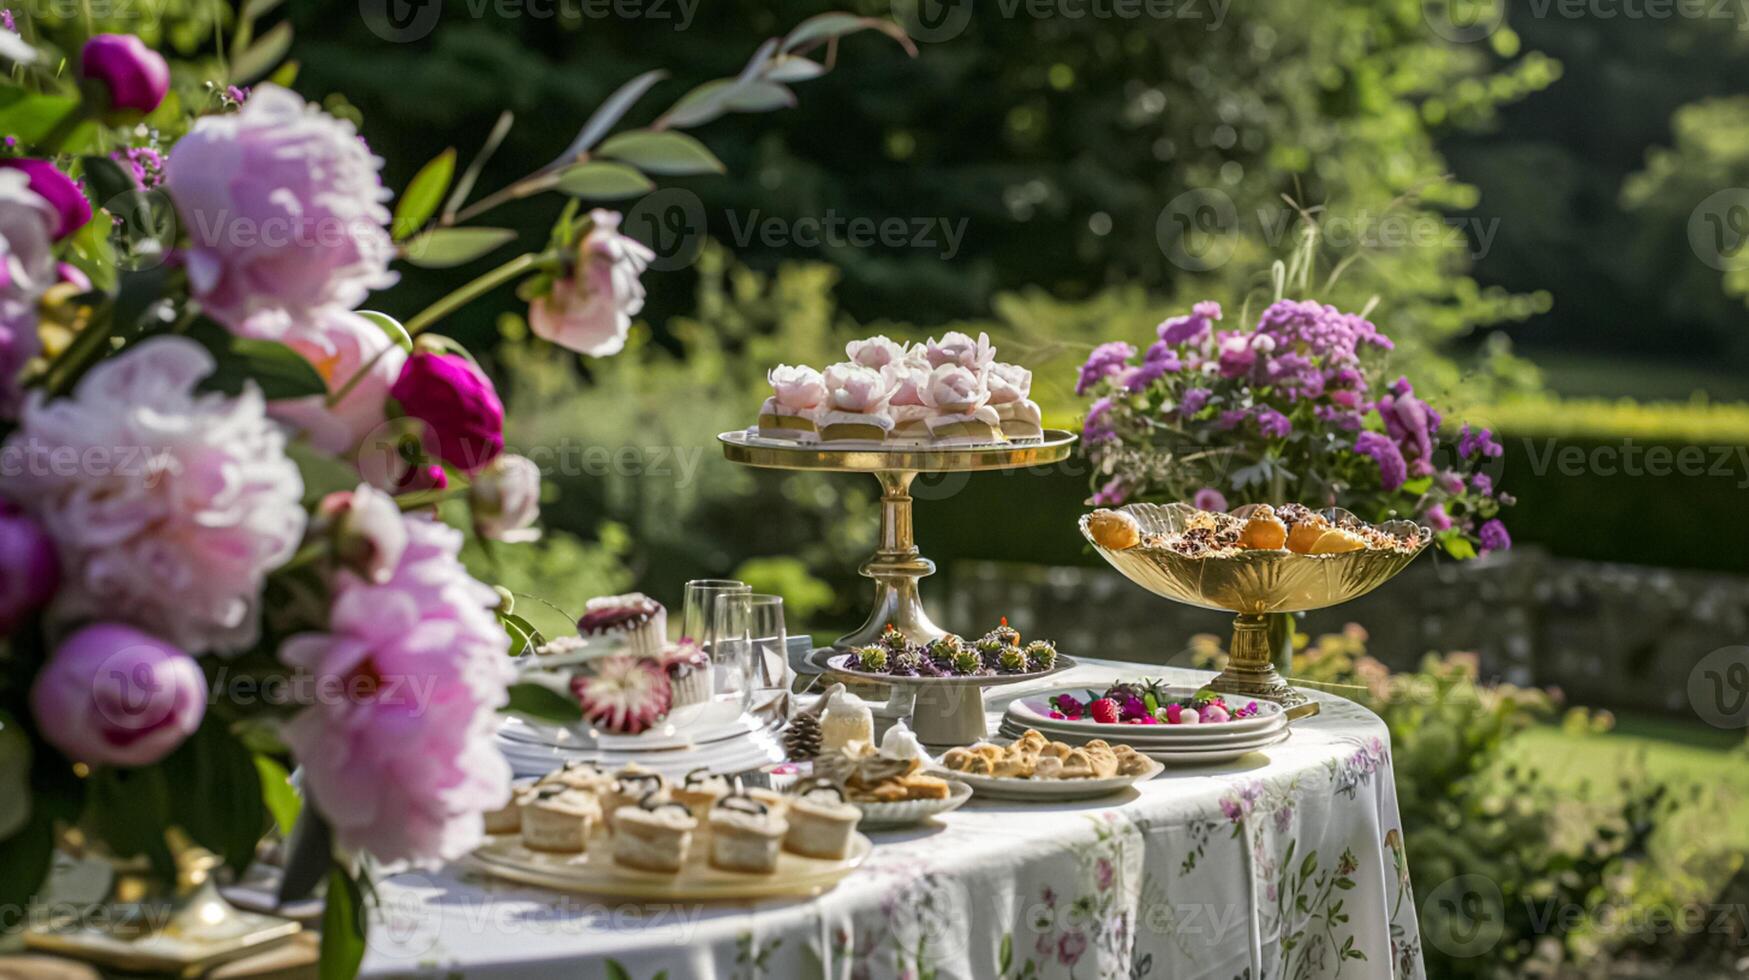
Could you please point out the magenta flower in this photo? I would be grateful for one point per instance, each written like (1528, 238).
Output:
(1493, 536)
(1437, 518)
(27, 268)
(111, 695)
(1105, 361)
(1208, 498)
(1096, 428)
(1274, 424)
(1113, 494)
(134, 76)
(72, 210)
(1482, 483)
(458, 403)
(1410, 422)
(29, 570)
(1393, 471)
(1477, 441)
(1104, 873)
(1193, 401)
(396, 739)
(1070, 947)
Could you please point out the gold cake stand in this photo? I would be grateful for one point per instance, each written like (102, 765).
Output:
(1252, 584)
(896, 565)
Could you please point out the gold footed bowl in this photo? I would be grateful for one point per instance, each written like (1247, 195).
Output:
(1252, 584)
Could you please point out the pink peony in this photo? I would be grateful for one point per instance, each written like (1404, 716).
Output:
(27, 267)
(176, 503)
(396, 740)
(284, 209)
(854, 388)
(955, 389)
(340, 344)
(366, 530)
(591, 310)
(459, 405)
(114, 696)
(875, 352)
(907, 377)
(796, 387)
(505, 499)
(29, 571)
(134, 76)
(71, 208)
(958, 348)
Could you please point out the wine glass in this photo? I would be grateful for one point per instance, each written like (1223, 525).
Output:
(754, 643)
(700, 622)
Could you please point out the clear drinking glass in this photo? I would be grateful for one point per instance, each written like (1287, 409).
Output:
(701, 621)
(753, 642)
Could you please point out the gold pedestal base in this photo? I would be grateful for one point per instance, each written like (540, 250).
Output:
(1251, 670)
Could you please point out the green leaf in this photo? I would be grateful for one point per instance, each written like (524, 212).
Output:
(309, 856)
(609, 113)
(614, 970)
(821, 27)
(106, 178)
(129, 810)
(1005, 955)
(424, 194)
(343, 928)
(604, 181)
(465, 186)
(31, 117)
(542, 703)
(25, 858)
(216, 793)
(277, 370)
(701, 105)
(277, 794)
(390, 326)
(443, 248)
(263, 55)
(759, 97)
(523, 635)
(285, 75)
(662, 153)
(792, 68)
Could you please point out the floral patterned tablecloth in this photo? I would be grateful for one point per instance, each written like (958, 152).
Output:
(1286, 865)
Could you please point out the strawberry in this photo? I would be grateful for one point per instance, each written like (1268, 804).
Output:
(625, 695)
(1104, 711)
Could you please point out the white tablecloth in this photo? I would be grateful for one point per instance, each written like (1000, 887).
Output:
(1287, 864)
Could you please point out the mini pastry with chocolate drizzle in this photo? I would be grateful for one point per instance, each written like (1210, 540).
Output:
(745, 833)
(654, 834)
(821, 822)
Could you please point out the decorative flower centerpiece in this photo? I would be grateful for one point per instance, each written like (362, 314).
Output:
(1296, 408)
(220, 550)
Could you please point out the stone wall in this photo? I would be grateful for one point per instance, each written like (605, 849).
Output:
(1614, 636)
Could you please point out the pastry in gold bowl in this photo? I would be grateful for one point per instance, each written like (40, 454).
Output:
(1114, 529)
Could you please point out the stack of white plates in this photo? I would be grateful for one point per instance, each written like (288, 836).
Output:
(715, 736)
(1183, 745)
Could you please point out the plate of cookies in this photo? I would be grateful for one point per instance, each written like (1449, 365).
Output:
(889, 784)
(634, 833)
(1033, 767)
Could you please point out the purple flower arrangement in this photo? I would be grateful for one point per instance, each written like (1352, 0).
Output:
(1293, 409)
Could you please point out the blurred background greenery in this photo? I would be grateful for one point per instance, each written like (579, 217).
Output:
(1544, 199)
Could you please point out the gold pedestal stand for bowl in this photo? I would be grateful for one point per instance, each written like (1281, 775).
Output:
(1252, 584)
(896, 565)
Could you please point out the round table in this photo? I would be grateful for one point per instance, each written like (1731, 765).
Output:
(1285, 864)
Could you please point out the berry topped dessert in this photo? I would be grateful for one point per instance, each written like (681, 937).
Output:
(635, 619)
(997, 652)
(1146, 703)
(625, 694)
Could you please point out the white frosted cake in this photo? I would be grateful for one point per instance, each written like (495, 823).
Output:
(947, 392)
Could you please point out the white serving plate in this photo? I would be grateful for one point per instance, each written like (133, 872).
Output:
(1046, 790)
(1033, 711)
(595, 872)
(1239, 740)
(1203, 757)
(881, 816)
(1189, 736)
(685, 728)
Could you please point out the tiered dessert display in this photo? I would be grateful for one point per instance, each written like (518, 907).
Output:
(642, 701)
(636, 834)
(1254, 561)
(894, 412)
(1173, 725)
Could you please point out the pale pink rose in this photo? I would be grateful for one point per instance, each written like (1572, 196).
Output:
(505, 499)
(178, 502)
(908, 378)
(27, 267)
(958, 348)
(955, 390)
(591, 310)
(1008, 383)
(796, 387)
(284, 209)
(339, 344)
(854, 388)
(396, 744)
(366, 529)
(875, 352)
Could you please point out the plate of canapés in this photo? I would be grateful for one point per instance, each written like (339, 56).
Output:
(998, 657)
(889, 783)
(1033, 767)
(634, 834)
